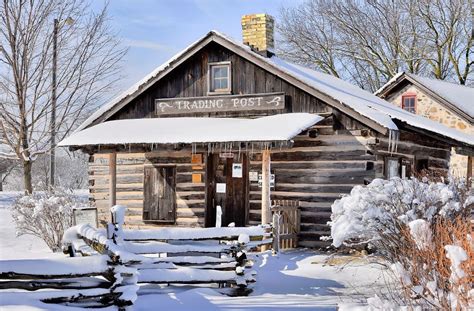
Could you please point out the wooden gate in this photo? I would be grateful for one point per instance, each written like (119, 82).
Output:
(286, 223)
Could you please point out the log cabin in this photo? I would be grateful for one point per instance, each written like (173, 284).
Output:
(215, 134)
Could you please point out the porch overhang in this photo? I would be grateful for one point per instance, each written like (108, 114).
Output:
(192, 130)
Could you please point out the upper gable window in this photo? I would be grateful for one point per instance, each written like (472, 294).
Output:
(409, 102)
(220, 78)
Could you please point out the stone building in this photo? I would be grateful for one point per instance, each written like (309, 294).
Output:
(447, 103)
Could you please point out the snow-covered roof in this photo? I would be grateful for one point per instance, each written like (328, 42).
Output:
(281, 127)
(367, 104)
(459, 96)
(343, 95)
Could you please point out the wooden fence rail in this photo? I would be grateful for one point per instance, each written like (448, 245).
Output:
(74, 281)
(113, 262)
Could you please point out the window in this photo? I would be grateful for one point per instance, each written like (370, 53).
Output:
(219, 78)
(421, 165)
(409, 102)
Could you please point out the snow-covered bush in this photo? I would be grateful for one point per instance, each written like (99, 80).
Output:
(421, 228)
(46, 215)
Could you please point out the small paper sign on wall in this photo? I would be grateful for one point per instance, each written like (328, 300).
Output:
(237, 170)
(220, 188)
(253, 176)
(272, 180)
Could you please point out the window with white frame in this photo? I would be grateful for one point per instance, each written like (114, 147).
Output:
(220, 78)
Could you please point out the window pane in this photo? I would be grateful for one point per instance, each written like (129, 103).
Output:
(219, 77)
(217, 84)
(225, 71)
(409, 104)
(218, 72)
(223, 84)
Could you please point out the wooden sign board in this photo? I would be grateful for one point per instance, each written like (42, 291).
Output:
(85, 216)
(226, 155)
(196, 178)
(176, 106)
(196, 159)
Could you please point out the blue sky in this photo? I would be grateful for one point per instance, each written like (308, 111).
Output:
(154, 30)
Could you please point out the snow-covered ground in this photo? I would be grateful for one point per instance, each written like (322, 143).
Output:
(293, 280)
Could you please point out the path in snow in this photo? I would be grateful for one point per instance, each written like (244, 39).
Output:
(293, 280)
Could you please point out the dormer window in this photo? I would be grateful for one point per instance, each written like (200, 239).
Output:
(220, 78)
(409, 102)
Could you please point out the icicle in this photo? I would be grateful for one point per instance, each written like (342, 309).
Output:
(397, 139)
(389, 139)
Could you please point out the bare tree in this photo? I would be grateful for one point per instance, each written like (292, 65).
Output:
(88, 62)
(449, 33)
(369, 41)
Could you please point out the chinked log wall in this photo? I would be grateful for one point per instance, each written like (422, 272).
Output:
(323, 164)
(130, 166)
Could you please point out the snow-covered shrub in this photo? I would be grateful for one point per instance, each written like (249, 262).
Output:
(46, 215)
(421, 228)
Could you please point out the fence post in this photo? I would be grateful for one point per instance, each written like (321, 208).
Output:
(276, 232)
(118, 219)
(126, 277)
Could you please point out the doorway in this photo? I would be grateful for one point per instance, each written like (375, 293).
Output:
(227, 186)
(159, 204)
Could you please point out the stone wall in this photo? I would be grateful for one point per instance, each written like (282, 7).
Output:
(430, 108)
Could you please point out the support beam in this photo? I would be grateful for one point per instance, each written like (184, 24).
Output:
(113, 179)
(266, 212)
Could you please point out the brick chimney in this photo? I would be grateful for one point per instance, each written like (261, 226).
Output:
(257, 32)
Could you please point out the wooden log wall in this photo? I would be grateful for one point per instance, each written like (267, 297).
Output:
(322, 165)
(130, 166)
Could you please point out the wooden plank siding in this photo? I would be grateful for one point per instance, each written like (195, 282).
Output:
(190, 80)
(326, 161)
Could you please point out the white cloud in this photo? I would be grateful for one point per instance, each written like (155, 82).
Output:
(146, 44)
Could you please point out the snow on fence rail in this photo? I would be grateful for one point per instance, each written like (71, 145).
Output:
(91, 281)
(114, 261)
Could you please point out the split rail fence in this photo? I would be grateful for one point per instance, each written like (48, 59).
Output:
(109, 264)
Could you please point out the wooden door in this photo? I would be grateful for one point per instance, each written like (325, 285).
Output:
(159, 204)
(235, 200)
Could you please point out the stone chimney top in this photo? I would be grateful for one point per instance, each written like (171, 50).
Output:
(257, 32)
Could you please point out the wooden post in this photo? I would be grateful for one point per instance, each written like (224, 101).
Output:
(276, 233)
(113, 179)
(266, 212)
